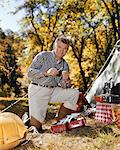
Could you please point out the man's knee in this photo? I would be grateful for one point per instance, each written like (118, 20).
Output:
(76, 92)
(75, 96)
(71, 103)
(79, 100)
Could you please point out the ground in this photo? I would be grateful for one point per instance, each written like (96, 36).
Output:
(93, 136)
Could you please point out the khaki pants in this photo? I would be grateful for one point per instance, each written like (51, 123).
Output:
(39, 97)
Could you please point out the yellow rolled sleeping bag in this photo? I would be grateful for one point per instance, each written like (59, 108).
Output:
(12, 130)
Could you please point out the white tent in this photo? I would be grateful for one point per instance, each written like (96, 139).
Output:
(111, 72)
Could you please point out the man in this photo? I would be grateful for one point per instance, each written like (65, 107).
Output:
(49, 74)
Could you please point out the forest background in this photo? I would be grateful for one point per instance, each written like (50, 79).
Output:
(92, 25)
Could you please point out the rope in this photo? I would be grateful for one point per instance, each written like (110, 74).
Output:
(18, 101)
(13, 103)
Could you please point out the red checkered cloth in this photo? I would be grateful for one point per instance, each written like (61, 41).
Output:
(103, 113)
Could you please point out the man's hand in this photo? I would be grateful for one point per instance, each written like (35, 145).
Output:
(65, 75)
(52, 72)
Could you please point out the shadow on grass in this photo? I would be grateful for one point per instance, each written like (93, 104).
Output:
(92, 131)
(86, 131)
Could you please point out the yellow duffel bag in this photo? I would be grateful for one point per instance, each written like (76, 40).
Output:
(12, 130)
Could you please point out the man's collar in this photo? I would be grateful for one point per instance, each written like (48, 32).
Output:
(53, 52)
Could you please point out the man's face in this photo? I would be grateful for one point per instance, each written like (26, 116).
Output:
(60, 49)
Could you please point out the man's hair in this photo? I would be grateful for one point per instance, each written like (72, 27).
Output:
(63, 40)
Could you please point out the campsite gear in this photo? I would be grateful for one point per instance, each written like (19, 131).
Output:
(111, 93)
(109, 70)
(116, 114)
(69, 122)
(12, 130)
(107, 98)
(89, 112)
(75, 123)
(59, 126)
(103, 113)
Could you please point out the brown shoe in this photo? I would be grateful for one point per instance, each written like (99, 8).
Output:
(63, 111)
(37, 124)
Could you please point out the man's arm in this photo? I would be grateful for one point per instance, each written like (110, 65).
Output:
(35, 70)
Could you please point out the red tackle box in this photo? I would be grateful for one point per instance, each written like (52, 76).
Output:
(68, 123)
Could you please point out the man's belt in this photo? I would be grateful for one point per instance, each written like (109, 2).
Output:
(43, 85)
